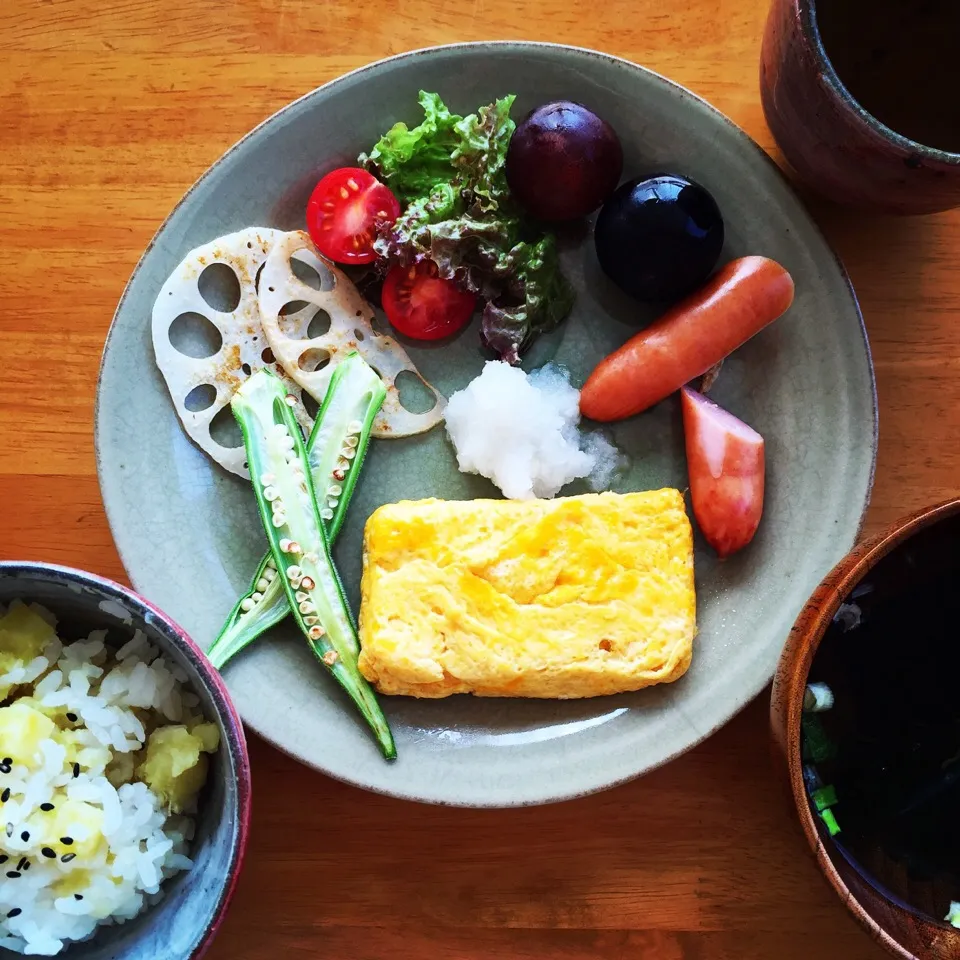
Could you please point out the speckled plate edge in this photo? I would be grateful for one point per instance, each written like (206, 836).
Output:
(751, 691)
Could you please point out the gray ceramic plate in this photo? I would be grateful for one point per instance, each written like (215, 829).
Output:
(188, 533)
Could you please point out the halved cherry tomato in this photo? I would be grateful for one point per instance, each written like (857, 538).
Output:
(424, 306)
(343, 213)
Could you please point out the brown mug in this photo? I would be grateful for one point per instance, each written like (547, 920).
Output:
(863, 99)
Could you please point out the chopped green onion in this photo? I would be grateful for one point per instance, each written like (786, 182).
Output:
(824, 797)
(830, 821)
(353, 398)
(953, 915)
(816, 745)
(281, 478)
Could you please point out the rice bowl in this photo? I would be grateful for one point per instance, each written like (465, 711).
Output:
(102, 755)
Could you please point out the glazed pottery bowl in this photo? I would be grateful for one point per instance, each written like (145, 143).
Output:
(833, 143)
(182, 924)
(922, 539)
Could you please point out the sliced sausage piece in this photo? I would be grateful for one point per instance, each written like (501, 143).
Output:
(725, 464)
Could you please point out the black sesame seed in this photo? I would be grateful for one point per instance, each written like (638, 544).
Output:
(9, 829)
(13, 875)
(23, 860)
(3, 858)
(48, 853)
(8, 761)
(67, 841)
(5, 768)
(67, 857)
(5, 796)
(72, 717)
(46, 807)
(15, 912)
(26, 865)
(25, 836)
(76, 770)
(78, 896)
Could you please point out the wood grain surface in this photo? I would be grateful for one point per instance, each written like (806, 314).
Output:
(109, 110)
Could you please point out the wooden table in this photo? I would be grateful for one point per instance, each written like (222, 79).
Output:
(108, 112)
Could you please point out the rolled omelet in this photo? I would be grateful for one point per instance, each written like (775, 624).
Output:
(574, 597)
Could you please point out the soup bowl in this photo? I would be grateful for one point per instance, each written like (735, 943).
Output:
(901, 929)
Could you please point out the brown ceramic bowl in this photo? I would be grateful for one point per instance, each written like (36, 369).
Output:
(831, 142)
(901, 931)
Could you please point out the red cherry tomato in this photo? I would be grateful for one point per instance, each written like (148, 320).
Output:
(424, 306)
(343, 213)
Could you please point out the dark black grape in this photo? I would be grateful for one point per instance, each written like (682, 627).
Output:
(659, 238)
(563, 161)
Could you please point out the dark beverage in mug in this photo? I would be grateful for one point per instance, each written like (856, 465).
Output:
(863, 98)
(900, 60)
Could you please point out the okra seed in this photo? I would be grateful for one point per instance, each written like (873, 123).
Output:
(279, 519)
(334, 490)
(307, 583)
(295, 547)
(286, 442)
(270, 493)
(326, 514)
(311, 620)
(285, 544)
(315, 632)
(246, 604)
(294, 572)
(267, 479)
(256, 597)
(280, 430)
(349, 452)
(301, 596)
(354, 426)
(352, 441)
(263, 584)
(272, 565)
(290, 400)
(270, 574)
(330, 658)
(307, 607)
(332, 503)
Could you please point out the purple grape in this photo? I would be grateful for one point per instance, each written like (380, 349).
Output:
(563, 161)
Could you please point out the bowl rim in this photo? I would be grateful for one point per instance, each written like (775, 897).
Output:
(807, 13)
(794, 668)
(226, 711)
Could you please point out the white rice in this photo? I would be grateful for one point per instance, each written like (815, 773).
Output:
(143, 847)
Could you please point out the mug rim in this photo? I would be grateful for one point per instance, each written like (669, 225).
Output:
(807, 11)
